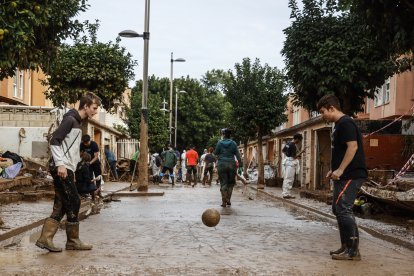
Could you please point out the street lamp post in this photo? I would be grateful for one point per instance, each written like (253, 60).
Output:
(171, 91)
(176, 109)
(142, 168)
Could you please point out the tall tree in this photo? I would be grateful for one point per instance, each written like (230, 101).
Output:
(391, 21)
(31, 31)
(255, 92)
(157, 120)
(89, 65)
(328, 51)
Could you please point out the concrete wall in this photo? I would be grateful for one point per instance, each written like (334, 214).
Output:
(23, 130)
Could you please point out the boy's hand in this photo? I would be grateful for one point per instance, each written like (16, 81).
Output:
(62, 172)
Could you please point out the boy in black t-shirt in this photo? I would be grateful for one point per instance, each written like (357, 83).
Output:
(348, 172)
(92, 148)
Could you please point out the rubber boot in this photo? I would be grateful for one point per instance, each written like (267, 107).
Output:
(193, 179)
(204, 180)
(342, 236)
(352, 251)
(172, 180)
(210, 179)
(49, 230)
(229, 193)
(223, 198)
(73, 241)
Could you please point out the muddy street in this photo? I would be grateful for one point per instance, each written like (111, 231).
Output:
(164, 235)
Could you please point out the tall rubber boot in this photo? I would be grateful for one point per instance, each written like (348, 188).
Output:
(342, 236)
(49, 230)
(193, 179)
(73, 241)
(223, 198)
(172, 180)
(229, 193)
(204, 180)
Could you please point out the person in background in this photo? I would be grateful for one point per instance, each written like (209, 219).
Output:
(169, 159)
(226, 150)
(155, 165)
(290, 165)
(348, 173)
(183, 167)
(132, 164)
(192, 160)
(84, 180)
(110, 157)
(65, 149)
(92, 148)
(209, 163)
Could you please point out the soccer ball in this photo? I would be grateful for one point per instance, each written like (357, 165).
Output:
(210, 217)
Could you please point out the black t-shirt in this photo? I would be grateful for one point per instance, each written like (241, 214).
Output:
(346, 130)
(91, 149)
(209, 159)
(290, 149)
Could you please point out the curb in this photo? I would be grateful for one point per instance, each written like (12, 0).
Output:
(15, 235)
(332, 219)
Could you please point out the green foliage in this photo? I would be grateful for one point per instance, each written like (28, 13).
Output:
(391, 21)
(122, 129)
(157, 121)
(328, 51)
(89, 65)
(200, 113)
(31, 31)
(255, 93)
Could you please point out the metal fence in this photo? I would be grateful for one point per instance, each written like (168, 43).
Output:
(126, 148)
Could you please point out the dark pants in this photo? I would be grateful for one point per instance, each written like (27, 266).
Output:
(344, 195)
(227, 175)
(112, 166)
(67, 200)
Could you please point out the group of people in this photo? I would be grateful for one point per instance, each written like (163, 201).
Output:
(187, 166)
(347, 173)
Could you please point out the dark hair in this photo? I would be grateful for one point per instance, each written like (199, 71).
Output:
(86, 138)
(210, 149)
(226, 132)
(298, 136)
(88, 99)
(86, 157)
(328, 101)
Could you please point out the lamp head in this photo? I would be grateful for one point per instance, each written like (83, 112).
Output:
(129, 33)
(178, 60)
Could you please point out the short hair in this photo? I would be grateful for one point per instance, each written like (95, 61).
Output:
(210, 149)
(88, 99)
(86, 138)
(298, 136)
(226, 132)
(328, 101)
(86, 157)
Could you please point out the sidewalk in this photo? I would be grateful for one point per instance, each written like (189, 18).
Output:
(401, 234)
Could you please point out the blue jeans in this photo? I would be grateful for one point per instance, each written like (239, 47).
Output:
(344, 195)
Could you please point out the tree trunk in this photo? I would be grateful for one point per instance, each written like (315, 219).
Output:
(260, 179)
(245, 159)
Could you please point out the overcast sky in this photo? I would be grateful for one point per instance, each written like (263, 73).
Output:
(209, 34)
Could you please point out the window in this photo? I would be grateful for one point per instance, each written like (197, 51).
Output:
(296, 115)
(18, 84)
(382, 95)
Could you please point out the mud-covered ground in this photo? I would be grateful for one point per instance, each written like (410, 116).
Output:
(164, 235)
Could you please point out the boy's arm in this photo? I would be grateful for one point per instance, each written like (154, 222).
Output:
(352, 147)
